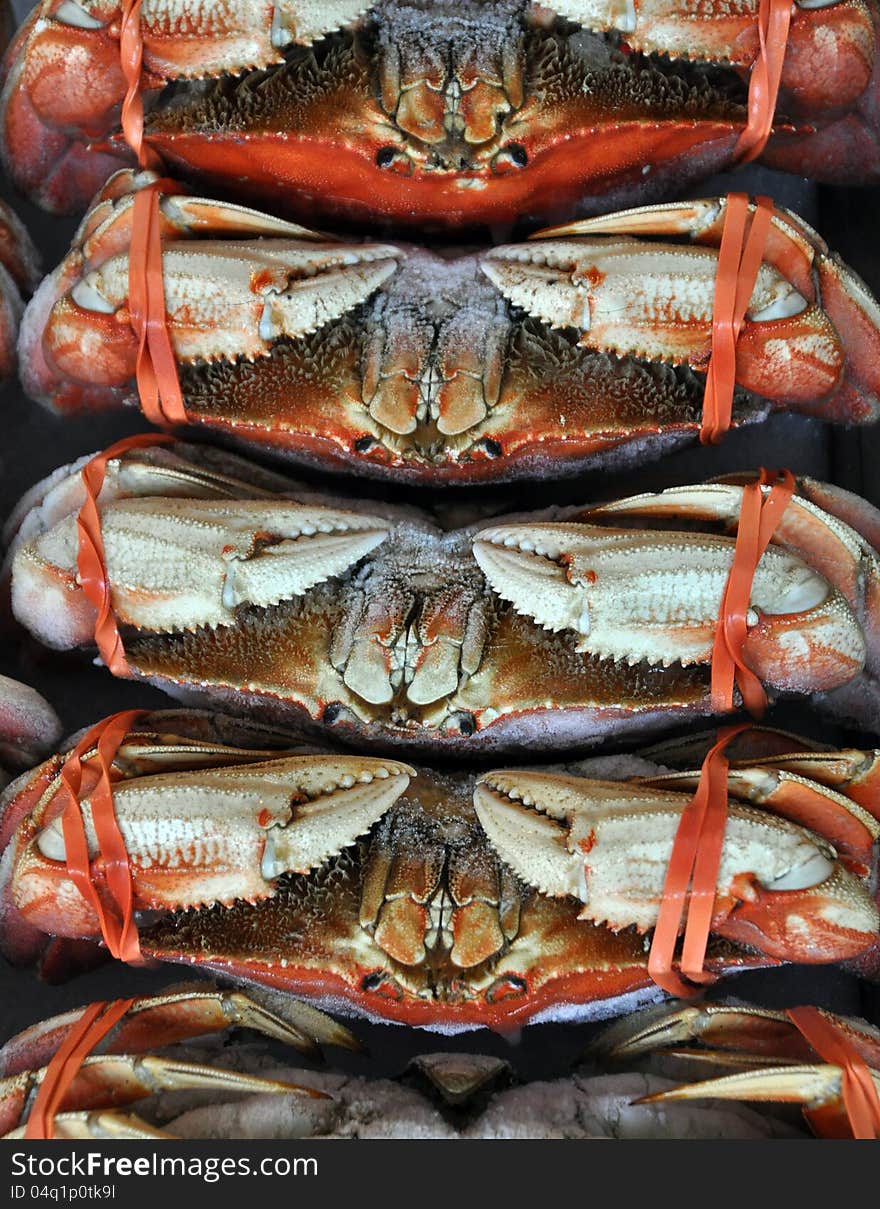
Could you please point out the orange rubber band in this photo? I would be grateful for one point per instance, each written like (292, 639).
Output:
(692, 878)
(116, 915)
(94, 1024)
(91, 562)
(758, 520)
(739, 260)
(774, 21)
(156, 375)
(860, 1098)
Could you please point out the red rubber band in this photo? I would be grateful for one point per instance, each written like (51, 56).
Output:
(692, 878)
(774, 21)
(759, 518)
(743, 240)
(91, 561)
(116, 914)
(95, 1023)
(860, 1099)
(156, 375)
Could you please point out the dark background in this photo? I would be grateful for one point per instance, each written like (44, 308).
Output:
(33, 443)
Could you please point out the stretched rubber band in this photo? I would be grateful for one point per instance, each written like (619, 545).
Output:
(743, 241)
(860, 1099)
(93, 1025)
(156, 375)
(774, 21)
(91, 561)
(759, 518)
(116, 914)
(691, 881)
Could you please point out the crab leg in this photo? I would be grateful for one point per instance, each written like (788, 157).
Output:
(151, 471)
(852, 773)
(818, 1088)
(174, 1016)
(657, 596)
(123, 1079)
(609, 844)
(751, 1031)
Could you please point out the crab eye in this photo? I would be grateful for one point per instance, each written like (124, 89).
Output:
(510, 159)
(385, 157)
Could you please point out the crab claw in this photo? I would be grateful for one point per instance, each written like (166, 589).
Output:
(121, 1079)
(800, 254)
(252, 295)
(609, 844)
(103, 1126)
(656, 301)
(656, 597)
(244, 827)
(191, 564)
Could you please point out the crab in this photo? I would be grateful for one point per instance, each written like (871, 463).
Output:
(448, 115)
(374, 621)
(773, 1062)
(250, 1092)
(541, 357)
(442, 899)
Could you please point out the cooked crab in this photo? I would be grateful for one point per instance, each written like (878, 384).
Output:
(440, 899)
(400, 361)
(772, 1059)
(446, 114)
(246, 1091)
(557, 628)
